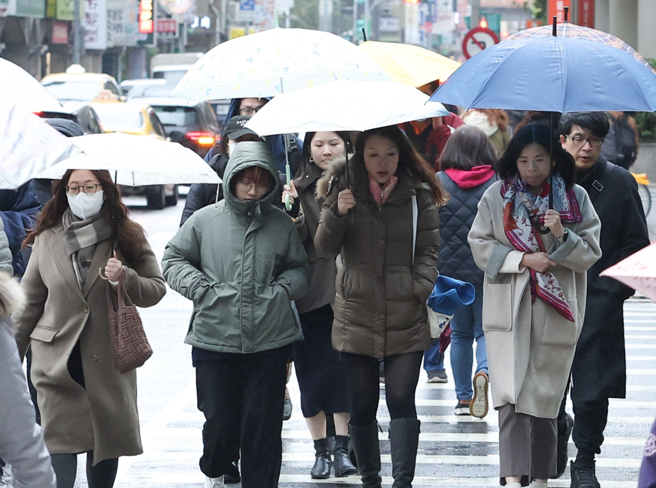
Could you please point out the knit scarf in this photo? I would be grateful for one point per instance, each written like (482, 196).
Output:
(522, 211)
(80, 239)
(381, 194)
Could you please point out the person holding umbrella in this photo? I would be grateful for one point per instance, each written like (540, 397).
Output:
(86, 404)
(535, 236)
(321, 377)
(599, 368)
(368, 216)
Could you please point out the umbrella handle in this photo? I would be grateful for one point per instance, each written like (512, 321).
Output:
(288, 174)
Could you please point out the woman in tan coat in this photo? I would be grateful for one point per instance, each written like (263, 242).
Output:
(535, 236)
(382, 287)
(86, 404)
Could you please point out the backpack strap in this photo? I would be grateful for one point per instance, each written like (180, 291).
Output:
(415, 218)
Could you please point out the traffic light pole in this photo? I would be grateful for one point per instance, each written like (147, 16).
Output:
(77, 32)
(475, 13)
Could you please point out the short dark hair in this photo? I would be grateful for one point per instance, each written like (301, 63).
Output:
(595, 122)
(542, 135)
(467, 147)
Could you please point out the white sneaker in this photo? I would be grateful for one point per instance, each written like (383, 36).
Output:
(479, 404)
(214, 482)
(538, 484)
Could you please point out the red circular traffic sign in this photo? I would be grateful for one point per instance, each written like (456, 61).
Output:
(478, 39)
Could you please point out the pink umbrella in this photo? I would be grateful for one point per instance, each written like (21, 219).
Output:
(637, 271)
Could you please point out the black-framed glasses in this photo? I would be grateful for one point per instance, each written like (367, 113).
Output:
(89, 188)
(580, 140)
(249, 111)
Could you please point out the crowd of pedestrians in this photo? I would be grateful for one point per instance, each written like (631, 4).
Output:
(336, 281)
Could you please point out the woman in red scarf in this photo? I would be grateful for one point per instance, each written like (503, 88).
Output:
(535, 236)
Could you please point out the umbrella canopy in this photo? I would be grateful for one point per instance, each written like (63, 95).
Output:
(579, 32)
(19, 86)
(551, 74)
(412, 65)
(344, 105)
(137, 160)
(28, 146)
(275, 61)
(638, 271)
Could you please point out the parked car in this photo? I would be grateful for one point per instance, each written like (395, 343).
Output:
(78, 85)
(80, 112)
(141, 120)
(131, 87)
(193, 125)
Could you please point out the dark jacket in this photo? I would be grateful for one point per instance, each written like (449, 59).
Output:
(380, 301)
(599, 369)
(203, 194)
(18, 210)
(456, 218)
(243, 294)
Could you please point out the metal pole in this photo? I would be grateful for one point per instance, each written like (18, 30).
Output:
(77, 31)
(355, 21)
(475, 14)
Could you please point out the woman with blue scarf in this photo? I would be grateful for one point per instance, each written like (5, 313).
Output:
(535, 236)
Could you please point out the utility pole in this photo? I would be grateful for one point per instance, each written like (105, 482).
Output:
(475, 13)
(355, 21)
(77, 33)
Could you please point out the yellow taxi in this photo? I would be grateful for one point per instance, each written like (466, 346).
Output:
(140, 120)
(79, 86)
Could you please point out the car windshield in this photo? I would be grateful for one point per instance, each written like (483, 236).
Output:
(115, 117)
(74, 90)
(171, 76)
(176, 116)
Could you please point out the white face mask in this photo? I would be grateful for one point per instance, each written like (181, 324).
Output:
(84, 206)
(231, 146)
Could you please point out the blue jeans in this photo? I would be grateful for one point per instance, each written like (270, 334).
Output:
(433, 358)
(467, 325)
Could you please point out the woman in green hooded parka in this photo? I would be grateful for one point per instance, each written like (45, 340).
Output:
(242, 263)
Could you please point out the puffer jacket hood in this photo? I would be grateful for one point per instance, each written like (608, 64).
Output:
(246, 155)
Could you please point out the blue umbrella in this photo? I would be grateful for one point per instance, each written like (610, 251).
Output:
(551, 74)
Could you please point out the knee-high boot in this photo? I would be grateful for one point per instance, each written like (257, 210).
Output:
(367, 453)
(404, 439)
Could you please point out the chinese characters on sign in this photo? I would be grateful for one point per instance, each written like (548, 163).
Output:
(95, 24)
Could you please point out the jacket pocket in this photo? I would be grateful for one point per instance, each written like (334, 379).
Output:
(558, 331)
(498, 304)
(44, 333)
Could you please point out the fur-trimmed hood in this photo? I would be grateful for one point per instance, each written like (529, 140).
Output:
(12, 298)
(336, 170)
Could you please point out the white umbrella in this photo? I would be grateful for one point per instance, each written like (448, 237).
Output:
(137, 160)
(275, 61)
(28, 146)
(344, 105)
(18, 86)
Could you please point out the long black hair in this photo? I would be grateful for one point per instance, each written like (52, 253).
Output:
(544, 136)
(410, 161)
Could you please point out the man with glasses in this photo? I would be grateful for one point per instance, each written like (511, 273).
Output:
(599, 368)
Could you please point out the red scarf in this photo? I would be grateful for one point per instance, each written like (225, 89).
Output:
(381, 194)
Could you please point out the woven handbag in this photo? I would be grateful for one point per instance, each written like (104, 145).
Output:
(130, 348)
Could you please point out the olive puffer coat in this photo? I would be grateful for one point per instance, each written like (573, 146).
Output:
(380, 302)
(242, 263)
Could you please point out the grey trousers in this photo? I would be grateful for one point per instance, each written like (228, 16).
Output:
(527, 445)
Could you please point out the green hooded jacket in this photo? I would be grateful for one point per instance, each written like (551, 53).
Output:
(242, 263)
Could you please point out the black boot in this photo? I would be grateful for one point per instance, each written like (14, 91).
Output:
(343, 466)
(404, 439)
(367, 452)
(322, 463)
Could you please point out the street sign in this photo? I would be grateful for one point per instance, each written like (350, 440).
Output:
(167, 28)
(478, 39)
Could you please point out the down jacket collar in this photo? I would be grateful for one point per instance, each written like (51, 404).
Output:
(245, 155)
(359, 182)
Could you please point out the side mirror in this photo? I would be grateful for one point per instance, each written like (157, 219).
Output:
(176, 136)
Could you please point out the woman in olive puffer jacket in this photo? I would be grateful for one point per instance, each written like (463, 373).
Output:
(381, 290)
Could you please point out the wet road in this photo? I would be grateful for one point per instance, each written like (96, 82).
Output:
(453, 451)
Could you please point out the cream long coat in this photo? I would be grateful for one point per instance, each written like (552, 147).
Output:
(57, 315)
(530, 346)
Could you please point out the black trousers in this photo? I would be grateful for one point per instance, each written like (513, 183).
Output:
(242, 397)
(590, 418)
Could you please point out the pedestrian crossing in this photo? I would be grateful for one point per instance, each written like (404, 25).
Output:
(454, 451)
